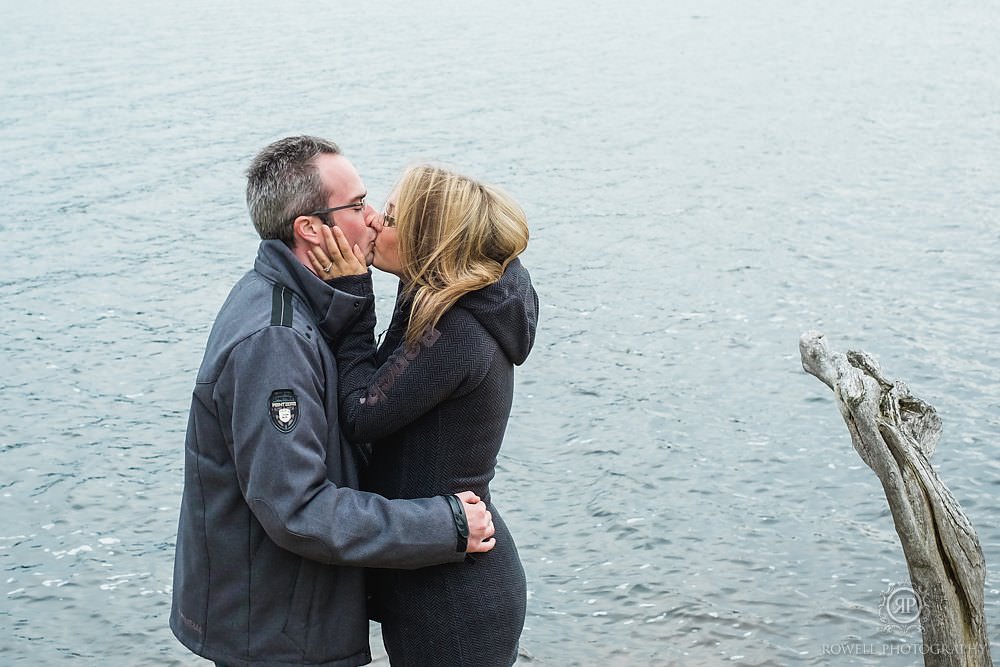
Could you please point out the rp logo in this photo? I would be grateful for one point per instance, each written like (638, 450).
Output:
(900, 608)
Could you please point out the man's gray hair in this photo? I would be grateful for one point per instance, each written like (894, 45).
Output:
(283, 182)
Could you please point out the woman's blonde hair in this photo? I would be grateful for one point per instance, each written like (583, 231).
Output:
(456, 235)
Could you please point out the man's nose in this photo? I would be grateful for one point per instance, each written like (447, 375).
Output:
(373, 218)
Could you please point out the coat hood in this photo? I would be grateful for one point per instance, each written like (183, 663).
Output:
(508, 310)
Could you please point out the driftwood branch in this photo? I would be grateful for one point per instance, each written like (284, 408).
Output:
(896, 433)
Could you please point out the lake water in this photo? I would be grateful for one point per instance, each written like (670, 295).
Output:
(704, 181)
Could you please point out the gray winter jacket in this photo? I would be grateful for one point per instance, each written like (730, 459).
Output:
(273, 533)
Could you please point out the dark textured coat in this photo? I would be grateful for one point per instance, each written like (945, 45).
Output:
(273, 533)
(437, 412)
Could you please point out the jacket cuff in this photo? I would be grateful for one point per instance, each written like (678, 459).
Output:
(357, 285)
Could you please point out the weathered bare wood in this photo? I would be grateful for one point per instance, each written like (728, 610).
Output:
(895, 433)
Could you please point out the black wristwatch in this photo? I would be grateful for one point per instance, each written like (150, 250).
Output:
(461, 523)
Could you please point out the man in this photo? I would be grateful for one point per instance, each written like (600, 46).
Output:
(273, 534)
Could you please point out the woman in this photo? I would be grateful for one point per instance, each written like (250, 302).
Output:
(434, 401)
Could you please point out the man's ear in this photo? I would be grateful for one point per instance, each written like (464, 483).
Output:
(306, 229)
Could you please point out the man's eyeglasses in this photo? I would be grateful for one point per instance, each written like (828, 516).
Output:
(322, 213)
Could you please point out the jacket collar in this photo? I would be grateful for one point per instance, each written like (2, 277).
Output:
(277, 264)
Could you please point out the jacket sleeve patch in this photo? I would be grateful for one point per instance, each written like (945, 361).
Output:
(284, 409)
